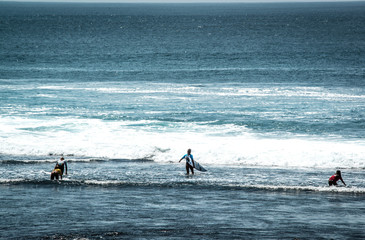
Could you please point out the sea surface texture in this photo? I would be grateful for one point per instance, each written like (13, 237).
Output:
(269, 97)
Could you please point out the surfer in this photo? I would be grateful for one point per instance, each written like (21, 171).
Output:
(334, 178)
(59, 169)
(62, 163)
(189, 162)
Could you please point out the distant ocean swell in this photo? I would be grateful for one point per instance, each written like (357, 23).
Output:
(201, 90)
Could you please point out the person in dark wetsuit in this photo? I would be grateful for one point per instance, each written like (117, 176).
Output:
(334, 178)
(59, 169)
(62, 163)
(189, 162)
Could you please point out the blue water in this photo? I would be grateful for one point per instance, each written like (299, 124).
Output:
(269, 97)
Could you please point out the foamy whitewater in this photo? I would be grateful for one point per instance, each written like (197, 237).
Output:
(269, 97)
(159, 121)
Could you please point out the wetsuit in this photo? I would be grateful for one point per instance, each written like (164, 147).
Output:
(62, 164)
(189, 159)
(189, 163)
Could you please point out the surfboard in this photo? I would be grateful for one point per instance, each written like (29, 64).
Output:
(196, 165)
(199, 167)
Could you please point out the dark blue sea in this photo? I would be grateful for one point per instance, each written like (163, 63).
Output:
(270, 97)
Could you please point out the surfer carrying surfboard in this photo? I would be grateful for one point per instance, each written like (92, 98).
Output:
(189, 162)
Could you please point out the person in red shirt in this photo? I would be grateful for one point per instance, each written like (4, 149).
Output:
(334, 178)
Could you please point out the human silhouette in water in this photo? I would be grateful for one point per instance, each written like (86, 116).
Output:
(335, 177)
(59, 169)
(189, 162)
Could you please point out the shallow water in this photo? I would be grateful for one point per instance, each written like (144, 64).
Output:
(186, 207)
(134, 200)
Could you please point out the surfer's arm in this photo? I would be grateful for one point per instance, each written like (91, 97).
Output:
(343, 181)
(66, 167)
(182, 158)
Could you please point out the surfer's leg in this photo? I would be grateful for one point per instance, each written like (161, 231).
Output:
(187, 168)
(332, 183)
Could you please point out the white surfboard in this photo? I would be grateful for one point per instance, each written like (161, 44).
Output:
(196, 165)
(199, 167)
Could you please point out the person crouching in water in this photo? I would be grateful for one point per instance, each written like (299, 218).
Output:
(189, 162)
(57, 172)
(59, 169)
(334, 178)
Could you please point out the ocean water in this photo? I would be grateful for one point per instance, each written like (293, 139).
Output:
(269, 97)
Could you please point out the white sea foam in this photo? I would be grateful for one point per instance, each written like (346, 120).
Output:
(103, 182)
(213, 145)
(355, 190)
